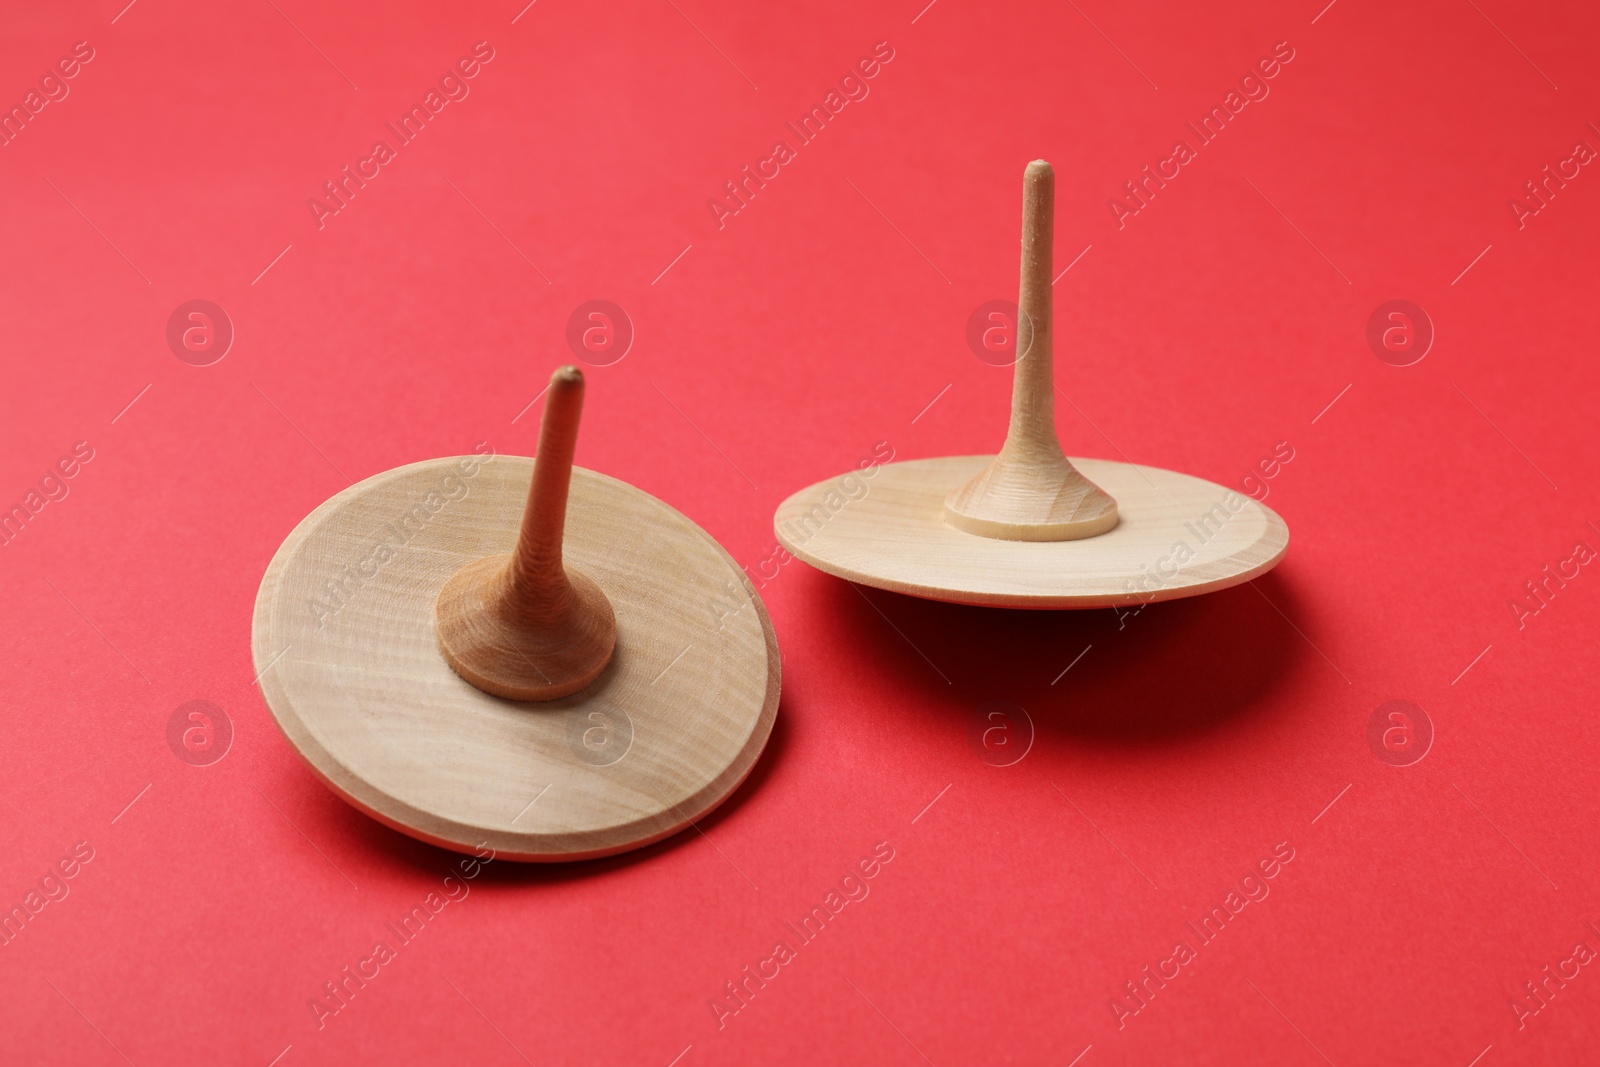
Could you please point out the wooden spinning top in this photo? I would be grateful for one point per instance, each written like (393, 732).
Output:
(591, 681)
(1030, 527)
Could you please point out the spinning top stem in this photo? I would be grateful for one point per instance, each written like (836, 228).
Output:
(524, 626)
(1031, 492)
(1032, 430)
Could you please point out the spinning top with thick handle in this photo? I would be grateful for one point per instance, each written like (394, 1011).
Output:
(587, 681)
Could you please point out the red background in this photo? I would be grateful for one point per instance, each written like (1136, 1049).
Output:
(819, 321)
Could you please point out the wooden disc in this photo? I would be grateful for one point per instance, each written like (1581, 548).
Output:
(1176, 536)
(350, 668)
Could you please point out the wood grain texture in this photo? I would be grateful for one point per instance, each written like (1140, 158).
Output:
(1177, 536)
(525, 625)
(344, 641)
(1031, 491)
